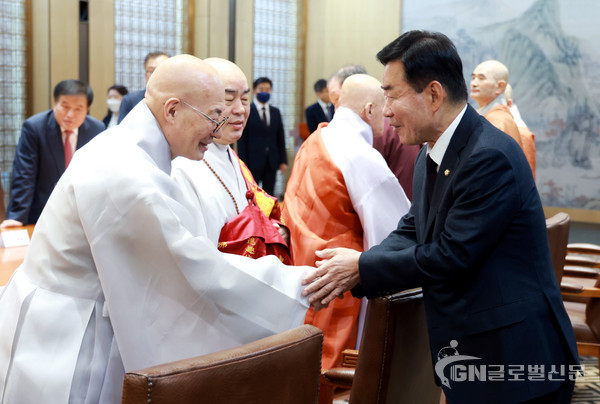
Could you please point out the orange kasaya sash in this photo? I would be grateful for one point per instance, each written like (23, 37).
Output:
(252, 233)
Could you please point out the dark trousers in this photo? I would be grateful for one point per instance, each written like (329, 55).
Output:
(267, 177)
(561, 396)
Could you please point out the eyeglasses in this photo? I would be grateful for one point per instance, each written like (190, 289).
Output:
(218, 125)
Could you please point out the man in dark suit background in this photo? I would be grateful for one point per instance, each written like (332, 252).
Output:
(151, 61)
(320, 111)
(474, 239)
(262, 145)
(48, 141)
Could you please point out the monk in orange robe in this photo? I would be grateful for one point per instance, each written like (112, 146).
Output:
(341, 193)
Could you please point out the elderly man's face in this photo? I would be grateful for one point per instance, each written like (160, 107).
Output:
(237, 106)
(408, 111)
(484, 87)
(194, 131)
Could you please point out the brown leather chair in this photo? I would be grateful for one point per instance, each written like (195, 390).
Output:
(581, 296)
(283, 368)
(393, 364)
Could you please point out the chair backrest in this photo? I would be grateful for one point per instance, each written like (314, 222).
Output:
(283, 368)
(558, 238)
(394, 360)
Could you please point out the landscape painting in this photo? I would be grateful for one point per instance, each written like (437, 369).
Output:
(552, 51)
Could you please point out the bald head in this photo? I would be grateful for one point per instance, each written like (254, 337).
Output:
(363, 94)
(360, 89)
(497, 70)
(489, 80)
(180, 90)
(237, 99)
(182, 76)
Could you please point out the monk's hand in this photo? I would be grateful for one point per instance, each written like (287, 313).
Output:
(336, 273)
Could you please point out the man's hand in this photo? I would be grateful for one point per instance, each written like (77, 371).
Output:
(283, 167)
(10, 223)
(335, 274)
(283, 231)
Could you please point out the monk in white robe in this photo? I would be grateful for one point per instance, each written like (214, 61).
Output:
(341, 193)
(115, 278)
(220, 183)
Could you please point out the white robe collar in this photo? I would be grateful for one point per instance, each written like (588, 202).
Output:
(142, 129)
(346, 117)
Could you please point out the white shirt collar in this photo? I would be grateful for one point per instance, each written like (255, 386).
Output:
(322, 104)
(75, 131)
(441, 145)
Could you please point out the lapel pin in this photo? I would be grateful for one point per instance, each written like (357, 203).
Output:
(447, 172)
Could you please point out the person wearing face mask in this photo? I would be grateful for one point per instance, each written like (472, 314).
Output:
(234, 210)
(262, 146)
(115, 95)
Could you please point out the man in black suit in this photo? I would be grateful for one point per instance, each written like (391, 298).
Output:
(151, 61)
(320, 111)
(262, 145)
(474, 239)
(47, 143)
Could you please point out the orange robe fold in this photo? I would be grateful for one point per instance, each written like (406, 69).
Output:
(501, 118)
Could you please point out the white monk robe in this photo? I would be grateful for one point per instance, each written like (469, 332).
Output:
(376, 194)
(114, 280)
(214, 203)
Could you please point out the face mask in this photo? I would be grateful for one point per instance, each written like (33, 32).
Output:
(263, 97)
(113, 104)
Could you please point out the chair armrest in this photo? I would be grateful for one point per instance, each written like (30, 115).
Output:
(582, 261)
(569, 288)
(583, 248)
(349, 358)
(338, 377)
(581, 272)
(585, 292)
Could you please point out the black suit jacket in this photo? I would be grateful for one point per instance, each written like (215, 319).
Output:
(261, 147)
(39, 163)
(481, 254)
(129, 101)
(315, 115)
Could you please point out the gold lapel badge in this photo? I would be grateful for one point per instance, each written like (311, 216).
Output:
(447, 172)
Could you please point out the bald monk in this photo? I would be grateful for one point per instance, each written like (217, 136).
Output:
(488, 82)
(341, 193)
(220, 182)
(527, 137)
(114, 280)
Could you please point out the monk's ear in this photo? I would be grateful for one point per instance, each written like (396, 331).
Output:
(170, 109)
(436, 94)
(368, 112)
(501, 87)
